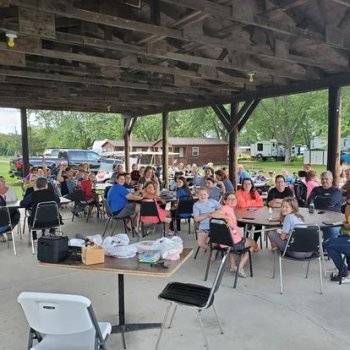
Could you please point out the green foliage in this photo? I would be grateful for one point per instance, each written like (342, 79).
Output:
(290, 119)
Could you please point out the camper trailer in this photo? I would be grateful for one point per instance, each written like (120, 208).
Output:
(267, 149)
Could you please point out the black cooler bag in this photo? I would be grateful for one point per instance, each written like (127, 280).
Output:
(52, 249)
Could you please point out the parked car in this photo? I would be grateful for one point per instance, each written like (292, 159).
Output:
(16, 164)
(74, 157)
(51, 152)
(106, 169)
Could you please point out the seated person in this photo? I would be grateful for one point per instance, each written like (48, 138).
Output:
(214, 192)
(149, 175)
(8, 195)
(182, 193)
(41, 194)
(120, 200)
(310, 182)
(129, 183)
(241, 174)
(288, 178)
(135, 174)
(117, 170)
(223, 182)
(201, 180)
(247, 195)
(260, 178)
(226, 212)
(149, 192)
(87, 185)
(65, 177)
(327, 197)
(33, 171)
(272, 179)
(340, 245)
(173, 182)
(289, 217)
(202, 210)
(278, 193)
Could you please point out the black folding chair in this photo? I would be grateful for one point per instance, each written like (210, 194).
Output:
(219, 236)
(302, 238)
(192, 295)
(116, 218)
(5, 221)
(149, 209)
(80, 204)
(47, 217)
(184, 210)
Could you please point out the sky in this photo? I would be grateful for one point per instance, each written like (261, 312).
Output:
(10, 120)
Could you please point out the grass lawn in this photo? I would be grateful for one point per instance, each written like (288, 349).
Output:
(11, 181)
(295, 166)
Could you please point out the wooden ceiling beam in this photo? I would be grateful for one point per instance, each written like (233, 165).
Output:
(66, 10)
(227, 12)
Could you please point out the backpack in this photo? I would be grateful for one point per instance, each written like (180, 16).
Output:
(300, 191)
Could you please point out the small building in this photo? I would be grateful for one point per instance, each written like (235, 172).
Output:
(196, 150)
(118, 145)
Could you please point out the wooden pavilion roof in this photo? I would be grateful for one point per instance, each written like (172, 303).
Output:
(146, 56)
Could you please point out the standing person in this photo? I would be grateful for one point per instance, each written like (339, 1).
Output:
(223, 182)
(327, 197)
(41, 194)
(8, 195)
(289, 217)
(226, 212)
(202, 211)
(337, 246)
(278, 193)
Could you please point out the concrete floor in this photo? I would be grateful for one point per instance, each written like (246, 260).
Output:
(254, 316)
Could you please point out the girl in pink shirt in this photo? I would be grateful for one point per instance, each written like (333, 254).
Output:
(227, 213)
(310, 182)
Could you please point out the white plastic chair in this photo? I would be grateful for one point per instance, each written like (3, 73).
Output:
(63, 321)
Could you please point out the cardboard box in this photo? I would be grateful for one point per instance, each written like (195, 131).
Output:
(91, 255)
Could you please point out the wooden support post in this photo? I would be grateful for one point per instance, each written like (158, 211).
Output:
(127, 144)
(334, 123)
(25, 144)
(233, 146)
(165, 147)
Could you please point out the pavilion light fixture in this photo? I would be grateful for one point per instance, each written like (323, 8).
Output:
(11, 39)
(251, 76)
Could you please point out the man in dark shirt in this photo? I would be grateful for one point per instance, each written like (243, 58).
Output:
(279, 192)
(41, 194)
(327, 197)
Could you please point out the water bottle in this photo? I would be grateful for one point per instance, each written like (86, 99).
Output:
(311, 207)
(269, 217)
